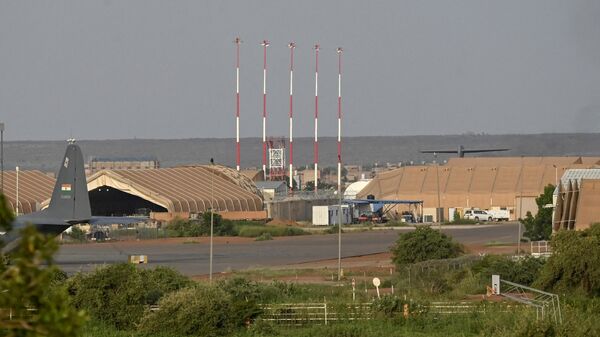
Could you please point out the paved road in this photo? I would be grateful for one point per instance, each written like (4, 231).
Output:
(192, 258)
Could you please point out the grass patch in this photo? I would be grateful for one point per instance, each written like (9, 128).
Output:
(256, 231)
(461, 221)
(264, 237)
(497, 244)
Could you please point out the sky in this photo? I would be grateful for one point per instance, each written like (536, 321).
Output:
(166, 69)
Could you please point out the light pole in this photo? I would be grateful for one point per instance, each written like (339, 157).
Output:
(555, 175)
(437, 174)
(520, 209)
(17, 193)
(210, 263)
(339, 51)
(2, 156)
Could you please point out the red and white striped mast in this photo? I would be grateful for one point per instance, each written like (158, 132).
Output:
(316, 147)
(237, 42)
(292, 46)
(265, 44)
(339, 139)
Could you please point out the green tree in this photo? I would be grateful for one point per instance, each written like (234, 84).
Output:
(575, 262)
(539, 227)
(25, 285)
(424, 243)
(119, 294)
(202, 310)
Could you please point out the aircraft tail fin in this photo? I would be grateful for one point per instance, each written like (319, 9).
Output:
(70, 200)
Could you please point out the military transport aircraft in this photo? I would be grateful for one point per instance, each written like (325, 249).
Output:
(461, 151)
(69, 205)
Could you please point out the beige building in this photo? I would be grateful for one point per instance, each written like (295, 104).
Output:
(511, 183)
(577, 200)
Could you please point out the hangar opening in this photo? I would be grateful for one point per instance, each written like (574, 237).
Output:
(108, 201)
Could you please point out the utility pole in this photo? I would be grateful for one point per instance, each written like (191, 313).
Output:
(2, 156)
(212, 174)
(17, 193)
(265, 44)
(237, 42)
(339, 178)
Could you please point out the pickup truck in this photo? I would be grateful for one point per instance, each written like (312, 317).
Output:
(500, 214)
(478, 215)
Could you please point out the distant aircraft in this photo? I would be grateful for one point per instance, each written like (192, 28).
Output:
(461, 151)
(69, 205)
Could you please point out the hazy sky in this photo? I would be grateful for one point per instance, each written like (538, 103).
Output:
(165, 69)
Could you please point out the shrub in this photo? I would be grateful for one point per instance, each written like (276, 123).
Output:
(118, 294)
(423, 244)
(264, 237)
(575, 262)
(524, 271)
(77, 234)
(255, 231)
(26, 284)
(200, 310)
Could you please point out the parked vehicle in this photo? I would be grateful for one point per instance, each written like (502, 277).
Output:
(499, 214)
(478, 215)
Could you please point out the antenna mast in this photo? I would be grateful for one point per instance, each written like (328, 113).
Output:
(265, 44)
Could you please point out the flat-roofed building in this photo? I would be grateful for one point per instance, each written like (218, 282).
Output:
(510, 183)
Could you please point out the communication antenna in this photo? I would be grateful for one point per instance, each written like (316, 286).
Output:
(265, 44)
(237, 42)
(292, 46)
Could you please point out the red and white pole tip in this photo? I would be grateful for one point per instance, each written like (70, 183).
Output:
(339, 50)
(265, 43)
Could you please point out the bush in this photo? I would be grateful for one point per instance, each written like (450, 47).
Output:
(264, 237)
(201, 310)
(77, 234)
(183, 228)
(118, 294)
(255, 231)
(524, 271)
(424, 243)
(575, 262)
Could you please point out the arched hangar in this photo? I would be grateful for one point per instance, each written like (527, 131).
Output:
(169, 192)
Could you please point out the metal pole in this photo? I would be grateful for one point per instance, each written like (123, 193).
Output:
(210, 268)
(292, 46)
(339, 52)
(265, 44)
(437, 173)
(316, 150)
(520, 210)
(2, 156)
(237, 103)
(17, 193)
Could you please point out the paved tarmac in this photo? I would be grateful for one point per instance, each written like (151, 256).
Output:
(193, 258)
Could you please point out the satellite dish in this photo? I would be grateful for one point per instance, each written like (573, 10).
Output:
(376, 282)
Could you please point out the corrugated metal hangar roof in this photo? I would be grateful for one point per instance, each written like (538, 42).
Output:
(185, 189)
(34, 188)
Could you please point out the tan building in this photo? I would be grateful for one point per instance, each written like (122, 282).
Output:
(577, 200)
(483, 182)
(180, 191)
(34, 188)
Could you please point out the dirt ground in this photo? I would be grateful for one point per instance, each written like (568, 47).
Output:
(359, 267)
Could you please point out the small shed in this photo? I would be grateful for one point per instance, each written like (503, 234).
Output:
(272, 189)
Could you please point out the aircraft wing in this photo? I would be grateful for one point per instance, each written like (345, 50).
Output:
(440, 151)
(111, 220)
(482, 150)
